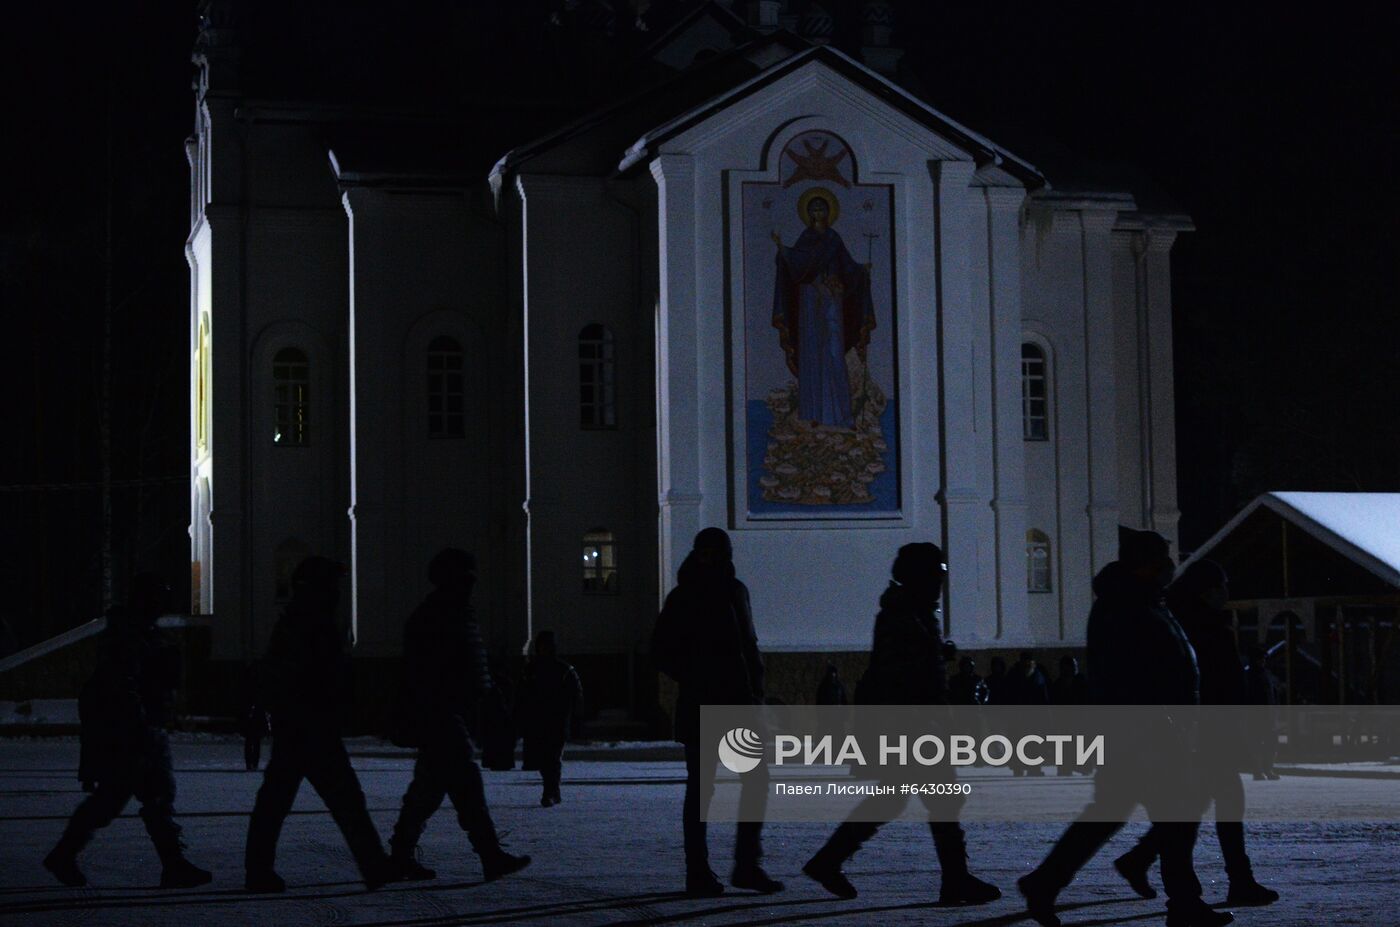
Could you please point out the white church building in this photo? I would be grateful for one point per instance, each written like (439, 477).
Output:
(773, 292)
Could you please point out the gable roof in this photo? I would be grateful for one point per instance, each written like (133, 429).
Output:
(1363, 527)
(983, 149)
(620, 137)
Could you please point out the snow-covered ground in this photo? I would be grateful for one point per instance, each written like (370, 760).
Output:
(611, 854)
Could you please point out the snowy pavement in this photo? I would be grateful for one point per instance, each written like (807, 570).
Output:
(610, 854)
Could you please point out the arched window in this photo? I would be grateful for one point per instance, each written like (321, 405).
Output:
(446, 389)
(291, 398)
(1035, 402)
(596, 378)
(1038, 567)
(201, 384)
(288, 556)
(599, 561)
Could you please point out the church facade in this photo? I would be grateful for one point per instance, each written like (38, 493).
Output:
(773, 292)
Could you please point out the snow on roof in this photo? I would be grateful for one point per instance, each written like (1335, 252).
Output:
(1363, 526)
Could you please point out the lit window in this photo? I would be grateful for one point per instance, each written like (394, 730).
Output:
(289, 555)
(201, 385)
(599, 561)
(291, 397)
(1038, 568)
(1035, 404)
(596, 378)
(446, 390)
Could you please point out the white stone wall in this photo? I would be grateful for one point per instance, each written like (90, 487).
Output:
(815, 587)
(584, 262)
(1097, 301)
(268, 262)
(424, 264)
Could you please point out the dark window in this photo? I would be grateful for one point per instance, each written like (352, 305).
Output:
(1038, 566)
(446, 389)
(291, 397)
(599, 561)
(596, 378)
(1035, 402)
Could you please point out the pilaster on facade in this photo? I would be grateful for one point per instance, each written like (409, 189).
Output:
(1159, 382)
(968, 522)
(1008, 502)
(369, 441)
(222, 296)
(677, 361)
(1101, 410)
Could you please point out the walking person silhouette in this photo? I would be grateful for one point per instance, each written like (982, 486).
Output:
(1138, 655)
(704, 639)
(550, 698)
(906, 668)
(126, 750)
(304, 682)
(1197, 599)
(445, 678)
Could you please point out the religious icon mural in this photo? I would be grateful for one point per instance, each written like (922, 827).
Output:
(819, 350)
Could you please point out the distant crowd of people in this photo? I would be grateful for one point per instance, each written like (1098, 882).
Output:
(1153, 639)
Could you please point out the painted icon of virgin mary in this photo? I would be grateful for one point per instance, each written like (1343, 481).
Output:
(821, 309)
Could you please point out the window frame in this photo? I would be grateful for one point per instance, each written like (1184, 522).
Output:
(444, 358)
(1030, 379)
(1039, 562)
(291, 397)
(606, 573)
(597, 378)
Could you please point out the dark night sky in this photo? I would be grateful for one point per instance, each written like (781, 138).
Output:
(1276, 132)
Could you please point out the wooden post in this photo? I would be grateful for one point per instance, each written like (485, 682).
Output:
(1341, 655)
(1287, 661)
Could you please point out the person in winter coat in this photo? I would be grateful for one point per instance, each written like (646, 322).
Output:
(996, 682)
(1025, 685)
(1261, 688)
(906, 668)
(704, 639)
(125, 708)
(831, 691)
(966, 687)
(1138, 655)
(445, 676)
(304, 681)
(253, 724)
(1197, 600)
(551, 696)
(1070, 689)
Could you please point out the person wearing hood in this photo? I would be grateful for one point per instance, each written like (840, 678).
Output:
(304, 680)
(550, 698)
(704, 639)
(1197, 600)
(446, 677)
(1137, 655)
(126, 752)
(906, 668)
